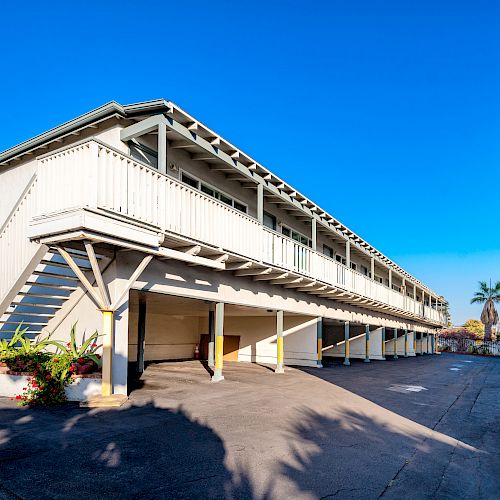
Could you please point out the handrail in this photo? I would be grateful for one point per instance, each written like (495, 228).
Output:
(18, 203)
(171, 205)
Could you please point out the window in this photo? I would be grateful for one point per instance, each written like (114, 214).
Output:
(290, 233)
(379, 279)
(354, 266)
(340, 259)
(210, 191)
(364, 270)
(328, 251)
(190, 181)
(269, 221)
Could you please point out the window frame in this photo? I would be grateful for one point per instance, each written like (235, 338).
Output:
(207, 185)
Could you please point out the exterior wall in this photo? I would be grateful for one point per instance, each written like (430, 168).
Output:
(258, 339)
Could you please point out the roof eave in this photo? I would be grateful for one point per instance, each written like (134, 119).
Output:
(107, 109)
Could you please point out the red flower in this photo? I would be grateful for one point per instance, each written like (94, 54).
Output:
(48, 377)
(71, 368)
(38, 365)
(81, 360)
(94, 345)
(18, 397)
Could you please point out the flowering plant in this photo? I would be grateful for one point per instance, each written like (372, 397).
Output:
(51, 372)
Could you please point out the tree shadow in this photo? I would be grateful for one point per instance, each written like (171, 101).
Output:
(129, 452)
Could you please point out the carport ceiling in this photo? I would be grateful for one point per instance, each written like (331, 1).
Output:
(171, 305)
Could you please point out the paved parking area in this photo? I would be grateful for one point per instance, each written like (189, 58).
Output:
(424, 427)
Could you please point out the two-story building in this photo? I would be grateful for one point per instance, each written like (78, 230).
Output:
(142, 223)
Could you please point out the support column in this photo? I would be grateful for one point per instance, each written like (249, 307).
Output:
(383, 342)
(367, 344)
(432, 344)
(141, 333)
(162, 148)
(279, 343)
(260, 203)
(390, 278)
(395, 343)
(406, 343)
(319, 337)
(211, 336)
(427, 341)
(346, 343)
(372, 268)
(107, 352)
(219, 341)
(313, 233)
(348, 254)
(415, 342)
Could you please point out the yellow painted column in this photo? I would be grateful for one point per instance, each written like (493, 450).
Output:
(107, 352)
(219, 342)
(383, 342)
(346, 343)
(367, 344)
(279, 343)
(415, 342)
(319, 337)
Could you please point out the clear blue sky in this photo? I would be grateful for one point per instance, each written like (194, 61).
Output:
(386, 113)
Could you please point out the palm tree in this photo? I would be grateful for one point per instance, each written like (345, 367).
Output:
(487, 295)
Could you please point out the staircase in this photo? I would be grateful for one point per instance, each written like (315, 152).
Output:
(44, 293)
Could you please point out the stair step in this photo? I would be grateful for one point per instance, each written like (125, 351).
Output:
(74, 254)
(38, 315)
(43, 296)
(51, 285)
(23, 325)
(56, 276)
(54, 263)
(34, 304)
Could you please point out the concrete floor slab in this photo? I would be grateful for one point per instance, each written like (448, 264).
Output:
(311, 433)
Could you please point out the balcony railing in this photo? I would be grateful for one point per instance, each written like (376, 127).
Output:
(96, 175)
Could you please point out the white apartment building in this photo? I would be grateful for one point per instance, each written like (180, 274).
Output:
(142, 223)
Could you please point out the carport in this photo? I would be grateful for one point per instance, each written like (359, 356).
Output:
(167, 327)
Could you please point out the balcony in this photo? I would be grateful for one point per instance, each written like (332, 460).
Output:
(146, 203)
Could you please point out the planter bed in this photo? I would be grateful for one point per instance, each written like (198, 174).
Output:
(81, 388)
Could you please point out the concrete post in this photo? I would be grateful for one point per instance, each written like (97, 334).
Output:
(427, 342)
(141, 333)
(367, 344)
(406, 343)
(211, 336)
(279, 342)
(415, 342)
(346, 342)
(395, 343)
(319, 336)
(219, 341)
(383, 342)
